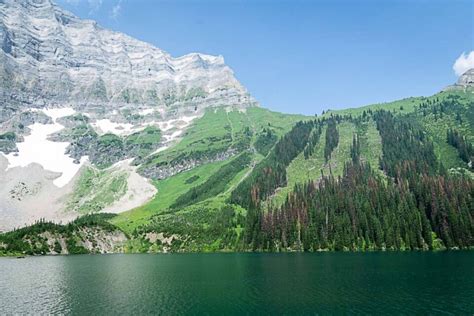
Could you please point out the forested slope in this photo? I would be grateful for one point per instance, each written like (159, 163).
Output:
(408, 200)
(398, 177)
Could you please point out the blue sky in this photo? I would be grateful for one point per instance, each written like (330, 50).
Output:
(307, 56)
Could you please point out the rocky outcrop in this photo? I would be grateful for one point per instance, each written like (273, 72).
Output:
(49, 56)
(105, 150)
(163, 171)
(19, 121)
(466, 80)
(97, 240)
(8, 143)
(84, 240)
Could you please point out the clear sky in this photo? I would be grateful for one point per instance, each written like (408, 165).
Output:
(307, 56)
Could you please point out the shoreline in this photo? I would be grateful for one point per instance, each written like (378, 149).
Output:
(23, 256)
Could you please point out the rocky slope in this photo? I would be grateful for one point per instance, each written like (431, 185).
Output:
(89, 234)
(73, 93)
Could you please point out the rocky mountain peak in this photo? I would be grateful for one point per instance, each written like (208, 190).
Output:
(49, 56)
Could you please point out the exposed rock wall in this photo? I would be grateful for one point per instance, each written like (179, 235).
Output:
(49, 56)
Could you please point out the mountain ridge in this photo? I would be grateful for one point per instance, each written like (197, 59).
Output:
(90, 63)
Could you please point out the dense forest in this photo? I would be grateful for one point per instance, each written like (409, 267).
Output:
(465, 149)
(414, 204)
(332, 139)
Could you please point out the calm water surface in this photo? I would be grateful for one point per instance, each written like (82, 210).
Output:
(376, 283)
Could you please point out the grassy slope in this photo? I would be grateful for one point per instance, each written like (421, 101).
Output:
(168, 190)
(370, 143)
(402, 106)
(217, 129)
(302, 170)
(437, 127)
(220, 129)
(97, 189)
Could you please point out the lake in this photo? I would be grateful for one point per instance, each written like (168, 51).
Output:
(296, 283)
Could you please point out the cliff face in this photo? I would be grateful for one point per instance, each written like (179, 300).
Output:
(49, 56)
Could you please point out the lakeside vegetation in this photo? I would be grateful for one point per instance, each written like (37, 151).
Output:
(34, 239)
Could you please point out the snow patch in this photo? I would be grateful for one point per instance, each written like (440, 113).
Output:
(146, 112)
(36, 148)
(167, 125)
(107, 126)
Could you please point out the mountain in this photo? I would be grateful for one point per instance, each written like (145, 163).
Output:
(77, 98)
(212, 172)
(49, 56)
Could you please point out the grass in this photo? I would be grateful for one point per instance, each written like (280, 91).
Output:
(215, 184)
(150, 135)
(210, 133)
(437, 128)
(370, 143)
(168, 191)
(208, 226)
(171, 189)
(400, 106)
(220, 129)
(97, 189)
(216, 131)
(279, 122)
(301, 170)
(403, 106)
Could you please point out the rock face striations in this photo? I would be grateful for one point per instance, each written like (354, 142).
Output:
(49, 56)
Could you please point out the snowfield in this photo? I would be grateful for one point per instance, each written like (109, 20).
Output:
(36, 148)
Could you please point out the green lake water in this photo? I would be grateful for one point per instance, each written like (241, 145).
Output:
(221, 284)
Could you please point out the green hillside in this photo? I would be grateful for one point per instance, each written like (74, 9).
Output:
(384, 176)
(306, 165)
(217, 131)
